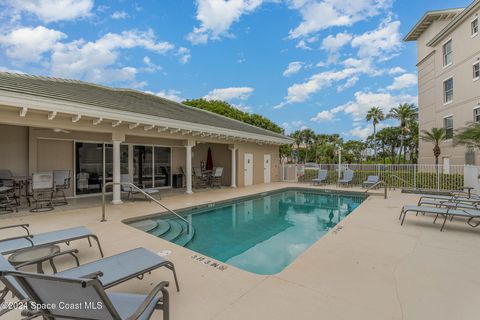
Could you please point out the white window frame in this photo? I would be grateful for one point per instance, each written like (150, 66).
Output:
(473, 70)
(474, 34)
(443, 126)
(445, 102)
(474, 115)
(443, 54)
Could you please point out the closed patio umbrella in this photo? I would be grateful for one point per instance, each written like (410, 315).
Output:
(209, 165)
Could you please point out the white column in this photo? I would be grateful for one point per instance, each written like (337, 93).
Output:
(188, 170)
(234, 168)
(116, 172)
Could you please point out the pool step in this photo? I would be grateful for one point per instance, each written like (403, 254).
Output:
(186, 236)
(162, 228)
(174, 232)
(145, 225)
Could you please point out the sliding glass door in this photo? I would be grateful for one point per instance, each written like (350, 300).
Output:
(149, 166)
(89, 167)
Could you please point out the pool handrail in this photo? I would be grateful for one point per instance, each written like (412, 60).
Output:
(189, 226)
(376, 185)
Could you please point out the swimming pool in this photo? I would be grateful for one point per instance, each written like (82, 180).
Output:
(263, 233)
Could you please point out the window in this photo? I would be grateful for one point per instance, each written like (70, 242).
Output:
(448, 126)
(476, 71)
(474, 25)
(448, 90)
(476, 114)
(447, 53)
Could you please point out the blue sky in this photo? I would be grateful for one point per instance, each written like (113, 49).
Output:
(302, 63)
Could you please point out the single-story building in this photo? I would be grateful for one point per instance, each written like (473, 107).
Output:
(99, 133)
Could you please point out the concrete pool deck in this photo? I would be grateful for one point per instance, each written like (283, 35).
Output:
(367, 267)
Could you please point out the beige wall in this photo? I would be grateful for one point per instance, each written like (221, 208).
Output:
(432, 74)
(14, 149)
(56, 155)
(258, 152)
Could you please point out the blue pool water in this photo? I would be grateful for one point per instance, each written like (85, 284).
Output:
(263, 233)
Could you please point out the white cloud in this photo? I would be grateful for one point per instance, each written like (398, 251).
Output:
(320, 15)
(293, 67)
(119, 15)
(228, 94)
(150, 66)
(184, 55)
(406, 80)
(333, 43)
(95, 61)
(396, 70)
(53, 10)
(171, 94)
(294, 125)
(364, 100)
(348, 84)
(324, 115)
(29, 44)
(361, 132)
(384, 40)
(216, 17)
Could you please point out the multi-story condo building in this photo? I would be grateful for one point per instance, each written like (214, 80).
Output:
(448, 45)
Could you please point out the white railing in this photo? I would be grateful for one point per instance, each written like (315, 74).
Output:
(414, 176)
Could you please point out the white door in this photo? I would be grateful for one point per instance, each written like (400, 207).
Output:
(446, 165)
(248, 166)
(267, 169)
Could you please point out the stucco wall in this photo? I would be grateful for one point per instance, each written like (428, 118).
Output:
(258, 152)
(14, 149)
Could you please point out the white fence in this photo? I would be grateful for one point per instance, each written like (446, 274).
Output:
(453, 177)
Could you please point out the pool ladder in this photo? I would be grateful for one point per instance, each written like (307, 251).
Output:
(379, 183)
(129, 184)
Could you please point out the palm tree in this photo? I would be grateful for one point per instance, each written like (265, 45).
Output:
(375, 114)
(469, 136)
(435, 135)
(405, 113)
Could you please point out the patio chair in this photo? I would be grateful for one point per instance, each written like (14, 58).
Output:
(8, 200)
(61, 180)
(347, 178)
(125, 178)
(371, 181)
(115, 269)
(49, 292)
(42, 191)
(321, 177)
(445, 212)
(216, 180)
(10, 245)
(201, 180)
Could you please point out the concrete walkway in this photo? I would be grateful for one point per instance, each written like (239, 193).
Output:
(367, 267)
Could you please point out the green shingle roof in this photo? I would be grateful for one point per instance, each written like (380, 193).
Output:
(120, 99)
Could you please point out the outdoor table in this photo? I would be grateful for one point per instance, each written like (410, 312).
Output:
(34, 253)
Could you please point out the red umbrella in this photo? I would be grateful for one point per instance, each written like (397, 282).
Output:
(209, 165)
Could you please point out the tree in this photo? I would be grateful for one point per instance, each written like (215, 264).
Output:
(435, 136)
(388, 138)
(469, 136)
(352, 151)
(405, 114)
(225, 109)
(375, 114)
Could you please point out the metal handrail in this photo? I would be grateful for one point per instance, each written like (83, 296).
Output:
(189, 225)
(403, 180)
(377, 184)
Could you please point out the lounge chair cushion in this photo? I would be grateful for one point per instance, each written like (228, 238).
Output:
(126, 304)
(45, 238)
(119, 267)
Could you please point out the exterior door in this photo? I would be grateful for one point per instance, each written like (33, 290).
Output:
(267, 168)
(248, 169)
